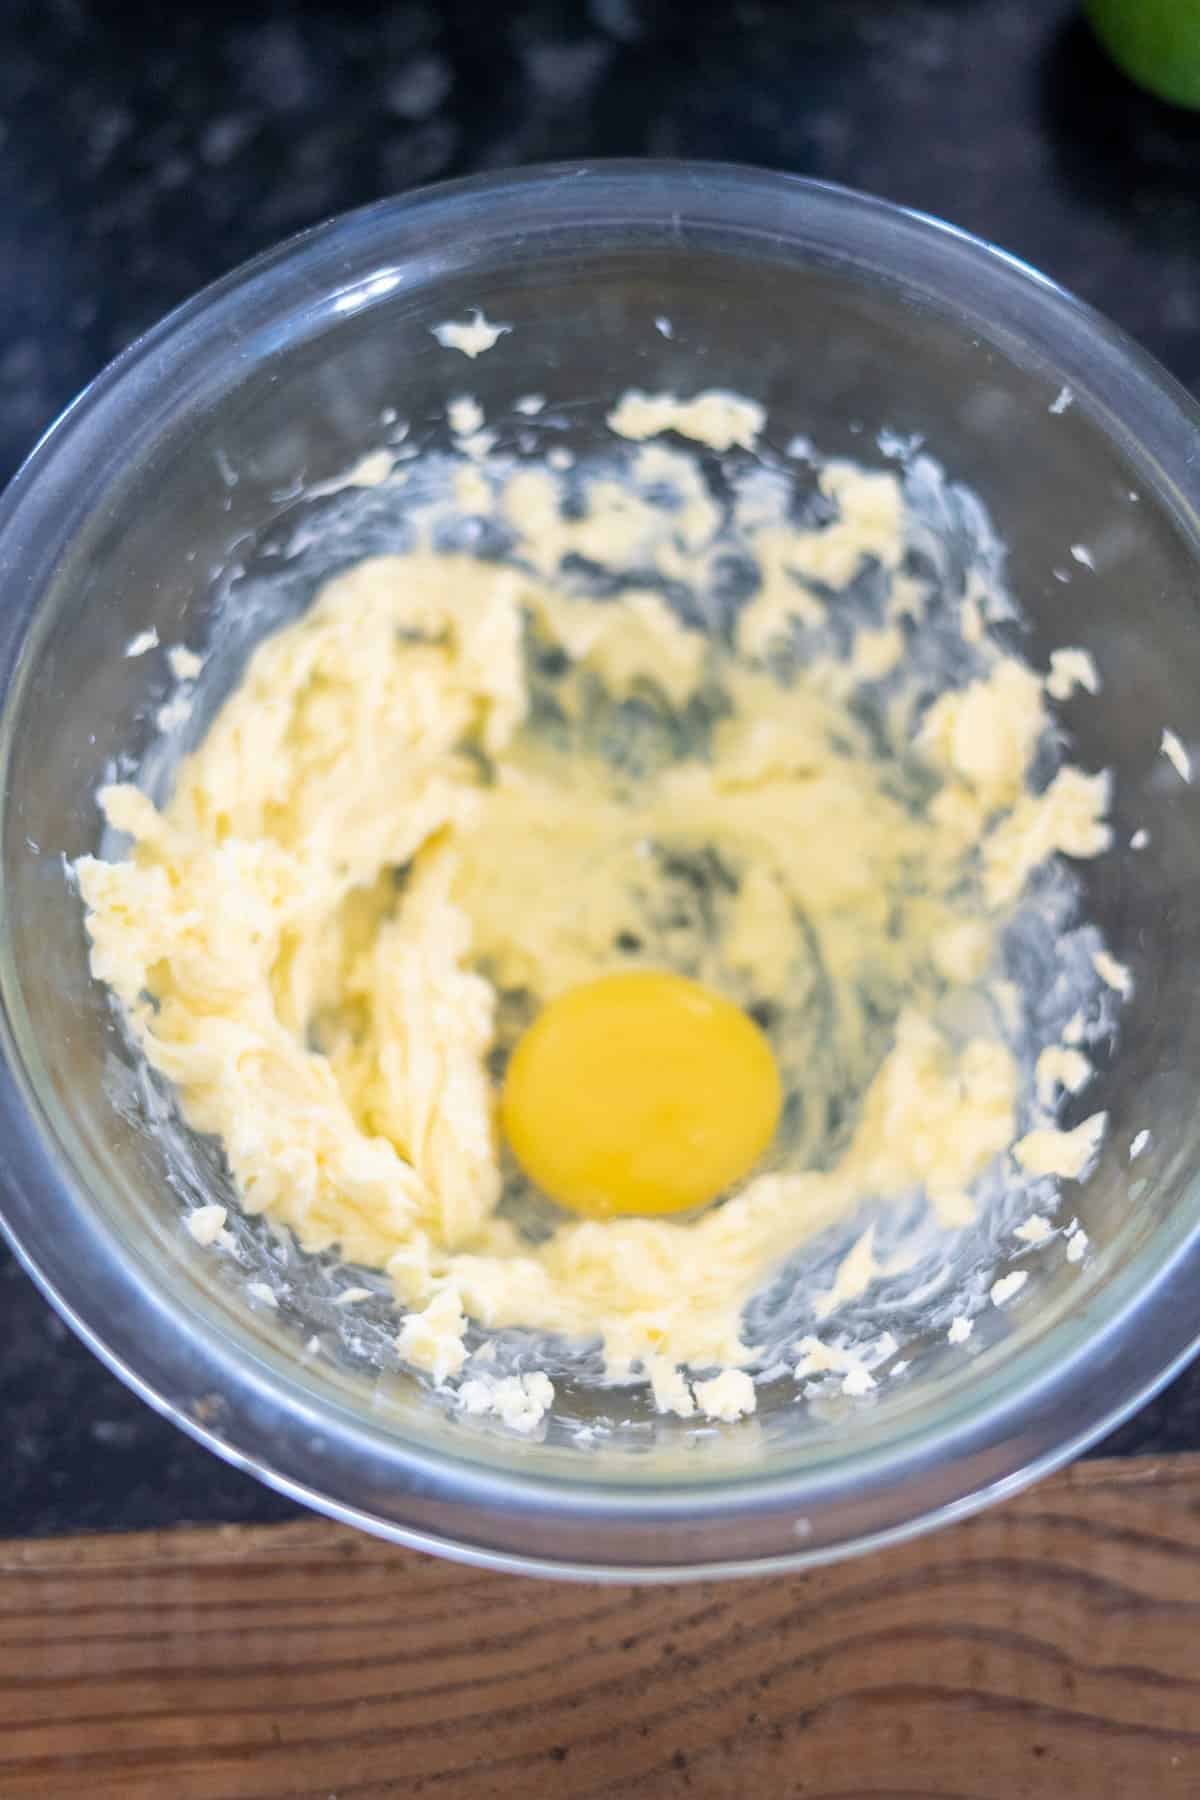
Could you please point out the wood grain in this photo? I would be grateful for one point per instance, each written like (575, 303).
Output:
(1051, 1647)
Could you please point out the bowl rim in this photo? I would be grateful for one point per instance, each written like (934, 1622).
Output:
(1047, 1408)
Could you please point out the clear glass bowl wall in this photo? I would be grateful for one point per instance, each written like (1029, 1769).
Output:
(840, 315)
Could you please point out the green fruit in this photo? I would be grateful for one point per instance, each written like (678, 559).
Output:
(1156, 42)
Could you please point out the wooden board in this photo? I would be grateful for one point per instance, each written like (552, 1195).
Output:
(1051, 1647)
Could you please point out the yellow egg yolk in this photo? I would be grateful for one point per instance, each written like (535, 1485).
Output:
(640, 1092)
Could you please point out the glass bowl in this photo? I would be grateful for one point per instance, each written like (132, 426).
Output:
(170, 481)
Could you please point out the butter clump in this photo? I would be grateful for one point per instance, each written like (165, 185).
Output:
(400, 825)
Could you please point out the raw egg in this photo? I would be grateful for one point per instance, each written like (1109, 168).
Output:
(640, 1092)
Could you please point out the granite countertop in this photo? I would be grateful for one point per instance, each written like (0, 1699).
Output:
(145, 151)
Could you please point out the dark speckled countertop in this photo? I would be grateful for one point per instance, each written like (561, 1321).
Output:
(146, 149)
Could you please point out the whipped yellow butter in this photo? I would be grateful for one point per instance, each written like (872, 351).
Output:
(456, 787)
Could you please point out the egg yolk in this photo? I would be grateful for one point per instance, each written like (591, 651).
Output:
(640, 1092)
